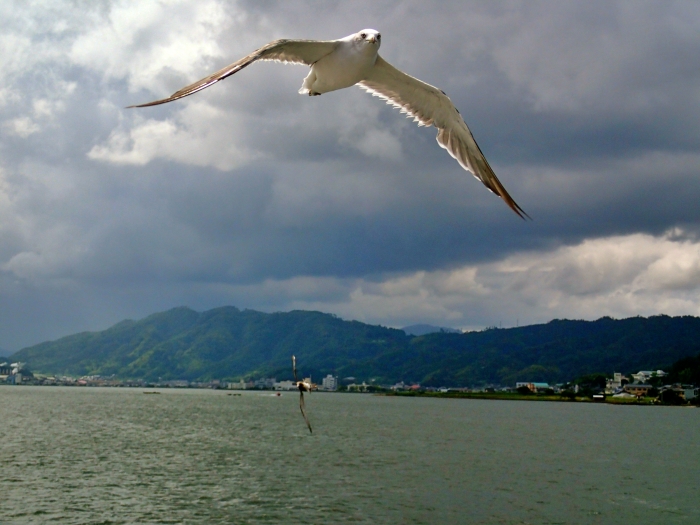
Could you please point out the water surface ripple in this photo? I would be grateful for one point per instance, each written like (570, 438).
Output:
(108, 456)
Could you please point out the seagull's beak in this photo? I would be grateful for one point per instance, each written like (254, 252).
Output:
(372, 39)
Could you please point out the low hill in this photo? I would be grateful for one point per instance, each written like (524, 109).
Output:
(228, 343)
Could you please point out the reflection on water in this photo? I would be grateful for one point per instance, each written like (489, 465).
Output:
(78, 455)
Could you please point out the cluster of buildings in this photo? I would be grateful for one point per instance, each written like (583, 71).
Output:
(329, 383)
(11, 373)
(620, 386)
(16, 374)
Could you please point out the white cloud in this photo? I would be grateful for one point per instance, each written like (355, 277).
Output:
(618, 276)
(588, 112)
(47, 109)
(22, 127)
(43, 114)
(5, 203)
(360, 129)
(15, 48)
(142, 41)
(199, 134)
(377, 143)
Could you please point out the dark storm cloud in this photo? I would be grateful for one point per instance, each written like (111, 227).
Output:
(250, 194)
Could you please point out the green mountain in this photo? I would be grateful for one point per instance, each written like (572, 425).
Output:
(228, 343)
(221, 343)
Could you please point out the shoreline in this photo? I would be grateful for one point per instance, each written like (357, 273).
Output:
(541, 398)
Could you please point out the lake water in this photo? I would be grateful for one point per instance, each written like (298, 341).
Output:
(91, 455)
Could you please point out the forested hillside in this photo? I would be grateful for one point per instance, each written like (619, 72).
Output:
(228, 343)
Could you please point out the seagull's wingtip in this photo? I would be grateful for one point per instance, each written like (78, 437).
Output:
(522, 213)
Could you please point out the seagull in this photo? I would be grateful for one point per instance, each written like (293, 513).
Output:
(355, 60)
(303, 386)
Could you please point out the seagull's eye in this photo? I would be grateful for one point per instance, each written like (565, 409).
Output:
(363, 35)
(379, 37)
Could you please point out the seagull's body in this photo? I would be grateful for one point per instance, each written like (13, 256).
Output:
(350, 62)
(303, 386)
(355, 60)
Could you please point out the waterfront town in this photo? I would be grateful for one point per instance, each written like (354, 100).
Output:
(644, 384)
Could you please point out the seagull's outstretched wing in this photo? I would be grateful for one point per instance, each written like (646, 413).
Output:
(302, 406)
(288, 51)
(294, 368)
(430, 106)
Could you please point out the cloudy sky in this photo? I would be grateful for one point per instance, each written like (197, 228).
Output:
(251, 195)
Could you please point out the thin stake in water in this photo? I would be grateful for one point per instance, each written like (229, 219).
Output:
(303, 386)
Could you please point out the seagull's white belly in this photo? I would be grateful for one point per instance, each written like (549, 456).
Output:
(343, 68)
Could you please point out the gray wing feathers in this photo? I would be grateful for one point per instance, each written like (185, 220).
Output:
(430, 106)
(425, 103)
(287, 51)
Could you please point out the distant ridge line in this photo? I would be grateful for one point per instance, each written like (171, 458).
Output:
(230, 343)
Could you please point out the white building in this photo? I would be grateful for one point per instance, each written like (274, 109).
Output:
(330, 382)
(614, 384)
(644, 375)
(285, 385)
(358, 388)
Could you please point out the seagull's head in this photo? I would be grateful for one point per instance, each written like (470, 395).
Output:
(369, 36)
